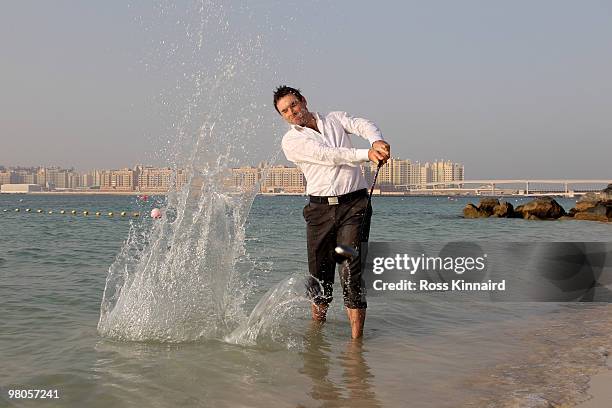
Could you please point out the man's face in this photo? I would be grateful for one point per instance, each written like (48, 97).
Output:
(293, 110)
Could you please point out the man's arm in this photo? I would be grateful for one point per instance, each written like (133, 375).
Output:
(359, 126)
(368, 130)
(300, 149)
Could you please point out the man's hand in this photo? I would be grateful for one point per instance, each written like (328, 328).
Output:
(382, 146)
(377, 157)
(380, 152)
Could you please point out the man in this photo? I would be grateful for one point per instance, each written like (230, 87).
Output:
(337, 211)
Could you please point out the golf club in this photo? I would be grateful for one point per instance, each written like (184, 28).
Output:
(345, 251)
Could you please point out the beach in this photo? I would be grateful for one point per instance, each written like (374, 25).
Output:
(599, 390)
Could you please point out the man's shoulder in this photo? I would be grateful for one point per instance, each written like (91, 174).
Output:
(336, 114)
(291, 133)
(290, 136)
(336, 117)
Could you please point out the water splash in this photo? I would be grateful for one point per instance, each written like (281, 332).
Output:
(280, 304)
(186, 277)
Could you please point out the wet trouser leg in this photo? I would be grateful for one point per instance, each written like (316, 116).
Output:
(328, 226)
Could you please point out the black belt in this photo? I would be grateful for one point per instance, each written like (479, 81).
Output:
(341, 199)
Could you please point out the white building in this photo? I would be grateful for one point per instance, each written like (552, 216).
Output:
(20, 188)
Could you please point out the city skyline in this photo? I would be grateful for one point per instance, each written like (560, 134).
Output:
(272, 178)
(397, 177)
(127, 166)
(515, 90)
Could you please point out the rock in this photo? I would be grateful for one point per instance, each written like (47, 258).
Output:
(590, 197)
(602, 208)
(487, 205)
(503, 210)
(540, 208)
(471, 211)
(585, 216)
(606, 193)
(594, 206)
(585, 205)
(602, 211)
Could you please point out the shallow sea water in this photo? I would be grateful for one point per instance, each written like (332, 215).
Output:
(421, 351)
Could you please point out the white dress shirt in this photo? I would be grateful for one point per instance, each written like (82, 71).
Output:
(330, 163)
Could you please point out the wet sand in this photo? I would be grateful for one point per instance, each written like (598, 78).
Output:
(600, 392)
(566, 365)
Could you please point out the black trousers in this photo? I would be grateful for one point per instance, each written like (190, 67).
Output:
(326, 227)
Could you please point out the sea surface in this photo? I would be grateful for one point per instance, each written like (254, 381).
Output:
(418, 351)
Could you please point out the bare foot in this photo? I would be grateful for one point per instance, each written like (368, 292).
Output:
(357, 319)
(319, 312)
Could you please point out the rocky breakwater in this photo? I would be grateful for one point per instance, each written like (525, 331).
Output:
(544, 208)
(489, 207)
(592, 207)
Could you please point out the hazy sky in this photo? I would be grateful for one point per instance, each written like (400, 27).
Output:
(511, 89)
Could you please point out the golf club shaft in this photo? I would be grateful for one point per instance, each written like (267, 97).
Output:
(365, 214)
(380, 164)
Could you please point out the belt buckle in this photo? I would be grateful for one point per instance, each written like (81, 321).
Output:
(332, 200)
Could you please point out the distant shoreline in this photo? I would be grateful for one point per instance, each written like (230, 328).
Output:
(158, 193)
(89, 193)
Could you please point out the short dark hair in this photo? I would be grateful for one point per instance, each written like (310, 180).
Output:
(285, 90)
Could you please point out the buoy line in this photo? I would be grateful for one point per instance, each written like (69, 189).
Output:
(84, 213)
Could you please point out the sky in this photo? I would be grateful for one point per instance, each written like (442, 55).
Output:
(518, 89)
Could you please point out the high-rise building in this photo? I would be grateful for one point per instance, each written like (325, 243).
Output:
(8, 177)
(97, 178)
(385, 175)
(458, 172)
(153, 179)
(74, 179)
(444, 171)
(245, 177)
(283, 179)
(400, 171)
(57, 178)
(87, 180)
(416, 177)
(30, 178)
(396, 172)
(119, 180)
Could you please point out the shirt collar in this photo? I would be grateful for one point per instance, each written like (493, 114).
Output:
(317, 116)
